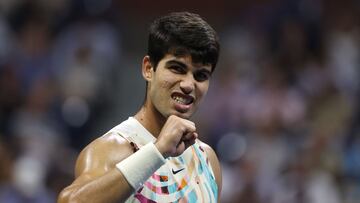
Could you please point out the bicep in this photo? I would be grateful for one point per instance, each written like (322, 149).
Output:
(88, 166)
(82, 178)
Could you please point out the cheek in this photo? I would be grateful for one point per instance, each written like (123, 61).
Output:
(202, 90)
(167, 81)
(165, 84)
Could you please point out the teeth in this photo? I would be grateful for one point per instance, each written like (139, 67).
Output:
(180, 100)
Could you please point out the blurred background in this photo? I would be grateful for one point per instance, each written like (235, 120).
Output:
(282, 111)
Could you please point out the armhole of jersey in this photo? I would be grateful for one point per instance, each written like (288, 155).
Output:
(130, 140)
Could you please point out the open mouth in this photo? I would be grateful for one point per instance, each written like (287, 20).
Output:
(182, 99)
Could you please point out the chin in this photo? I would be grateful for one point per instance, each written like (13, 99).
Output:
(185, 115)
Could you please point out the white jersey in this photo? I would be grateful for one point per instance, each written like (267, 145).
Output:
(186, 178)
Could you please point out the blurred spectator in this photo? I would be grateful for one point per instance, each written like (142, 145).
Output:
(30, 57)
(84, 59)
(10, 96)
(343, 50)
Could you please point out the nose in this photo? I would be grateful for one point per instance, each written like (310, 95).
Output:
(187, 84)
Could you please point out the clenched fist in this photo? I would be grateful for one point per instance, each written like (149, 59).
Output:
(176, 136)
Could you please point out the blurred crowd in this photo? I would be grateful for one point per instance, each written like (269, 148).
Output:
(282, 111)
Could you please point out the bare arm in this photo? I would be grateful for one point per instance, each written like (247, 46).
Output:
(97, 179)
(215, 166)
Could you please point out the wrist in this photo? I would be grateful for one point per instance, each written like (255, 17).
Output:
(160, 147)
(133, 169)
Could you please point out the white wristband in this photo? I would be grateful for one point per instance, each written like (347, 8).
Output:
(138, 167)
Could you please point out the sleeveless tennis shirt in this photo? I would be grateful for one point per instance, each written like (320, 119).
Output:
(186, 178)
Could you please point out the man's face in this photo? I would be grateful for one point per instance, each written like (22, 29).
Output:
(178, 85)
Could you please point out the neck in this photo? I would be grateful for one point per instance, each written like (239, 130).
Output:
(151, 119)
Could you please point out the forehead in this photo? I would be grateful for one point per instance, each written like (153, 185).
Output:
(185, 60)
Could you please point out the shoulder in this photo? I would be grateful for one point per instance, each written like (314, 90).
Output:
(103, 153)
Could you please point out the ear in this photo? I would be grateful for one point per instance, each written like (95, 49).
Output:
(147, 69)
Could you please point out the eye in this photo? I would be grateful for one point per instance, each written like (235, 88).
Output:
(201, 76)
(177, 69)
